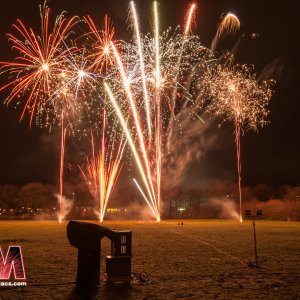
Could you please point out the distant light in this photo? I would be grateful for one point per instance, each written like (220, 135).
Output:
(181, 208)
(112, 210)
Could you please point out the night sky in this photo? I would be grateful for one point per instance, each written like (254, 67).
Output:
(270, 156)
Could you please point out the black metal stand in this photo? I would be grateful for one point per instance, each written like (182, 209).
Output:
(255, 245)
(258, 215)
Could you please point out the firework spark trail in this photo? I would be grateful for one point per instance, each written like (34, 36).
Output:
(187, 29)
(158, 141)
(236, 95)
(151, 54)
(229, 25)
(156, 35)
(144, 196)
(102, 56)
(38, 62)
(77, 76)
(61, 171)
(102, 170)
(132, 146)
(134, 112)
(239, 165)
(142, 66)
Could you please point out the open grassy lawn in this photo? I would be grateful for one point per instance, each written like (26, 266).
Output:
(199, 260)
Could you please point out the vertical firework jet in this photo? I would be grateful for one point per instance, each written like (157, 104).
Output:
(236, 95)
(157, 99)
(135, 115)
(146, 140)
(61, 168)
(187, 30)
(142, 66)
(148, 177)
(134, 150)
(102, 170)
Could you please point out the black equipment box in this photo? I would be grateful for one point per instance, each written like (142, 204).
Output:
(118, 268)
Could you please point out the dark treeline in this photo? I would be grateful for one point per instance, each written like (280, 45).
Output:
(216, 200)
(35, 199)
(220, 200)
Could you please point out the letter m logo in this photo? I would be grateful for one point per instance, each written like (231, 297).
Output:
(12, 261)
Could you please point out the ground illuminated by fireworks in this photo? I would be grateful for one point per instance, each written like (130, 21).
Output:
(199, 260)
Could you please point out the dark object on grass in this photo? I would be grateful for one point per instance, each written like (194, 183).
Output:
(87, 238)
(140, 278)
(259, 213)
(248, 214)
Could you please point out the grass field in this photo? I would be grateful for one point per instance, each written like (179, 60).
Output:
(199, 260)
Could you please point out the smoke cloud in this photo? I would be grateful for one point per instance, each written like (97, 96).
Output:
(188, 141)
(65, 205)
(226, 206)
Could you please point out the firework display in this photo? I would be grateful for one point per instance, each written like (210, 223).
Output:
(101, 171)
(234, 94)
(39, 61)
(91, 84)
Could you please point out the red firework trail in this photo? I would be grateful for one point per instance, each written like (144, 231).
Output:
(61, 171)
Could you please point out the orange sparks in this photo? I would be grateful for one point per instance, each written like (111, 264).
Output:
(102, 170)
(102, 55)
(39, 60)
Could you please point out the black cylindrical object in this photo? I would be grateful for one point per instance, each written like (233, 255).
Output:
(86, 237)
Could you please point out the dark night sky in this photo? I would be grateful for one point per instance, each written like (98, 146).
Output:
(270, 156)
